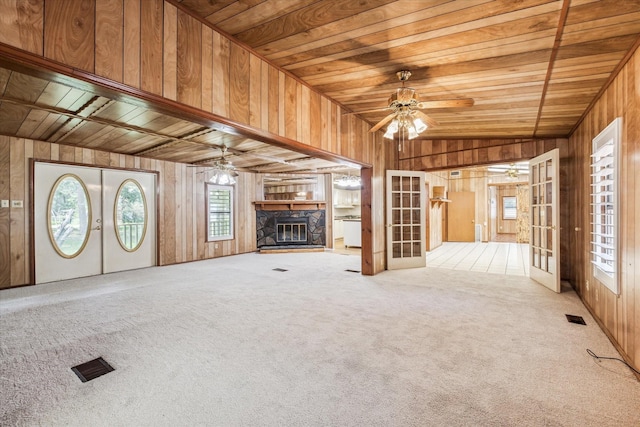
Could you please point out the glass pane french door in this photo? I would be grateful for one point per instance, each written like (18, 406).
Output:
(544, 246)
(406, 219)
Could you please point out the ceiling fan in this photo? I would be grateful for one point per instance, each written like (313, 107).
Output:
(406, 106)
(224, 173)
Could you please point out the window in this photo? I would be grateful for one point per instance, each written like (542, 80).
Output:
(220, 212)
(509, 207)
(604, 204)
(69, 216)
(130, 215)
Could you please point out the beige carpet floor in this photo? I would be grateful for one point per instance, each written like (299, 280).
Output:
(232, 342)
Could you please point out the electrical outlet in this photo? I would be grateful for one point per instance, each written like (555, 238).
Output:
(215, 246)
(4, 203)
(16, 204)
(587, 284)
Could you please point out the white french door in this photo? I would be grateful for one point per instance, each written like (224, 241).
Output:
(89, 221)
(406, 219)
(67, 222)
(128, 242)
(544, 245)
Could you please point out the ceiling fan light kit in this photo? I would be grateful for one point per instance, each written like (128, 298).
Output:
(407, 120)
(223, 172)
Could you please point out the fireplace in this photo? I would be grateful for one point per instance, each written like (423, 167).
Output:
(292, 231)
(289, 227)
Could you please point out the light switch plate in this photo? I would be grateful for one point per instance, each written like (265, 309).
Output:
(16, 204)
(4, 203)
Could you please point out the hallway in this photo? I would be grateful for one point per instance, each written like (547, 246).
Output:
(492, 257)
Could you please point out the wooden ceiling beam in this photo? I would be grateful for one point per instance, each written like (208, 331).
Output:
(552, 59)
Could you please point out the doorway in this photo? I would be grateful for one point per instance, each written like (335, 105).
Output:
(90, 221)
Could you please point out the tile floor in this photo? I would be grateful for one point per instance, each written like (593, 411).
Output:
(491, 257)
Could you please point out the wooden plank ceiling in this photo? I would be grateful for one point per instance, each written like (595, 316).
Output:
(532, 67)
(40, 109)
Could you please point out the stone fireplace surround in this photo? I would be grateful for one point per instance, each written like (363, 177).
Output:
(266, 226)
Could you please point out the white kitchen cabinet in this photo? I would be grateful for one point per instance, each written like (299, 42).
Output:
(338, 229)
(352, 233)
(346, 198)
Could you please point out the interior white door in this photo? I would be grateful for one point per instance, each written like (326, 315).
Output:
(129, 236)
(406, 218)
(67, 222)
(544, 246)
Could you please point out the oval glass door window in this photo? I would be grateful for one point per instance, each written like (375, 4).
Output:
(130, 215)
(69, 216)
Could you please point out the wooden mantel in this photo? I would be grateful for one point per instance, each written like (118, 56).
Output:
(289, 205)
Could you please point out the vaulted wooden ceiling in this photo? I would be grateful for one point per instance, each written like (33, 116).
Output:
(533, 67)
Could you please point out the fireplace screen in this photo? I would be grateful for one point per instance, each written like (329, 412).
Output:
(291, 232)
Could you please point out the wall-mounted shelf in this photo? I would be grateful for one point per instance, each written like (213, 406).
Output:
(289, 205)
(439, 195)
(435, 200)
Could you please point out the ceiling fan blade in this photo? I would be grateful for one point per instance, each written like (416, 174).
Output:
(383, 122)
(375, 110)
(428, 120)
(447, 103)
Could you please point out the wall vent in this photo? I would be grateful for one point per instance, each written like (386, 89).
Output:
(455, 174)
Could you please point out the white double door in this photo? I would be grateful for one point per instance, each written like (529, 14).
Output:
(102, 242)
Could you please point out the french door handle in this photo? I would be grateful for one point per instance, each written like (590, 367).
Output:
(96, 228)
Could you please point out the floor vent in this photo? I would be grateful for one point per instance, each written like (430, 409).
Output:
(352, 271)
(92, 369)
(575, 319)
(280, 269)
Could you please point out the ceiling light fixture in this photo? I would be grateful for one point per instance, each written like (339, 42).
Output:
(407, 122)
(512, 172)
(224, 173)
(407, 119)
(348, 181)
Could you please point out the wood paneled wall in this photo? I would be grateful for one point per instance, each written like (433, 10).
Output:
(182, 222)
(437, 154)
(437, 210)
(619, 315)
(372, 203)
(155, 46)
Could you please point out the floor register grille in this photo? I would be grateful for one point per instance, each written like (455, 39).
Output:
(92, 369)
